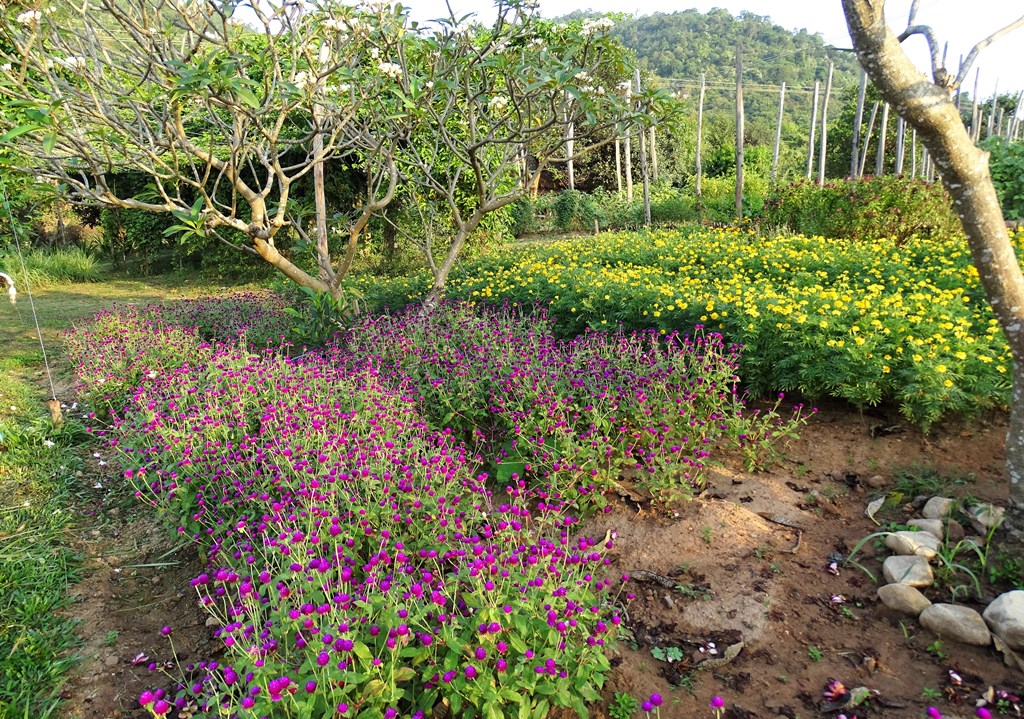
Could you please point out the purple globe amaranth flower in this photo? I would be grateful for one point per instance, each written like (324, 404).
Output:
(982, 713)
(146, 698)
(656, 699)
(717, 702)
(470, 672)
(933, 713)
(160, 708)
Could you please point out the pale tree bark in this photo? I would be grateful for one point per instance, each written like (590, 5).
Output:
(925, 104)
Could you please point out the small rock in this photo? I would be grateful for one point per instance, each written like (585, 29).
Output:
(913, 571)
(922, 544)
(932, 526)
(903, 598)
(957, 622)
(1005, 617)
(110, 661)
(954, 531)
(668, 602)
(938, 507)
(876, 482)
(985, 517)
(212, 622)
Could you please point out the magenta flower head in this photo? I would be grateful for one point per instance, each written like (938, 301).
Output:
(656, 699)
(717, 702)
(647, 707)
(160, 708)
(982, 713)
(933, 713)
(470, 672)
(166, 631)
(146, 698)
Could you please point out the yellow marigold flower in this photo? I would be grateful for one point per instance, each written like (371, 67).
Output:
(941, 369)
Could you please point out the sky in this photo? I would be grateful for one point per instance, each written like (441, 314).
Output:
(962, 22)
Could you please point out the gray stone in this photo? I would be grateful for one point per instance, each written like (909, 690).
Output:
(932, 526)
(922, 544)
(954, 531)
(1005, 617)
(876, 482)
(957, 622)
(903, 598)
(938, 507)
(911, 570)
(985, 517)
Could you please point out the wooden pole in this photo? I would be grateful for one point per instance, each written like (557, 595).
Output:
(883, 130)
(913, 153)
(824, 127)
(627, 149)
(810, 143)
(700, 133)
(975, 116)
(570, 166)
(739, 131)
(992, 110)
(654, 153)
(857, 120)
(778, 135)
(901, 133)
(644, 177)
(867, 140)
(618, 164)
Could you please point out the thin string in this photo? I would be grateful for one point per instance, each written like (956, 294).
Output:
(28, 285)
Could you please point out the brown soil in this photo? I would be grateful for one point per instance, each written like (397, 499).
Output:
(746, 577)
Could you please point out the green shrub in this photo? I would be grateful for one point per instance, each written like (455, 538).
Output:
(894, 207)
(1006, 164)
(52, 267)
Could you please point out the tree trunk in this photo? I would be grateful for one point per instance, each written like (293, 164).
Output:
(814, 124)
(824, 126)
(700, 135)
(964, 171)
(778, 135)
(739, 132)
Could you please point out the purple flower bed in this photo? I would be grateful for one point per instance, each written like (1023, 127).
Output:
(361, 562)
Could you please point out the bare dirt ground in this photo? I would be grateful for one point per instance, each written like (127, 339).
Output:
(747, 563)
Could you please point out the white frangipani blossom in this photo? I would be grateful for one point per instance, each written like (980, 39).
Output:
(29, 17)
(597, 26)
(390, 69)
(497, 104)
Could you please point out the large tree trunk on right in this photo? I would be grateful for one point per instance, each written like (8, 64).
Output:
(964, 171)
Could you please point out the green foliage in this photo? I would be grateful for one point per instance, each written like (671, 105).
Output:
(890, 207)
(319, 317)
(1006, 163)
(37, 483)
(623, 706)
(869, 321)
(47, 268)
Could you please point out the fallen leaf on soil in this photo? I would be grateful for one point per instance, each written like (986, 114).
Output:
(873, 508)
(1010, 657)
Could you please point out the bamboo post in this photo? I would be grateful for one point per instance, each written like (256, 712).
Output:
(654, 153)
(824, 127)
(644, 178)
(778, 135)
(857, 120)
(975, 116)
(739, 131)
(883, 130)
(618, 164)
(913, 153)
(627, 150)
(814, 123)
(901, 132)
(867, 140)
(992, 110)
(700, 134)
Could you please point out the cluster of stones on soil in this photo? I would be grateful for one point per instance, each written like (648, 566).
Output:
(908, 571)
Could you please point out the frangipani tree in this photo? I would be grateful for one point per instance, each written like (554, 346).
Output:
(224, 107)
(926, 104)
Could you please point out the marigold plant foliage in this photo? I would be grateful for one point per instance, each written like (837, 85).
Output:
(867, 321)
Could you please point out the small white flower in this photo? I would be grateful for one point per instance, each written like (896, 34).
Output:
(375, 53)
(74, 63)
(390, 69)
(6, 67)
(497, 104)
(27, 503)
(98, 485)
(48, 443)
(102, 463)
(14, 408)
(29, 17)
(594, 27)
(151, 374)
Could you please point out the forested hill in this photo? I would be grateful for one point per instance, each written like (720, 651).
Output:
(682, 45)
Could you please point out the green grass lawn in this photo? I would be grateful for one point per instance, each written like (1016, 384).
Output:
(38, 488)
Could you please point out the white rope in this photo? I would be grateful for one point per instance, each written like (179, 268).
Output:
(28, 285)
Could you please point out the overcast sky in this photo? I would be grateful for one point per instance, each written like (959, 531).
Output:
(961, 22)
